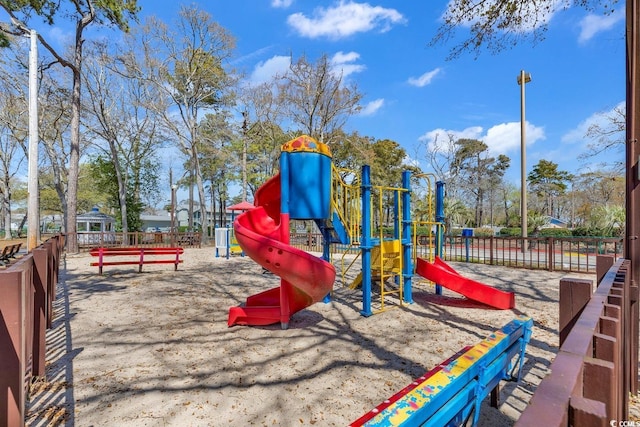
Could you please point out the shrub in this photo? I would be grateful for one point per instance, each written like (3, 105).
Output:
(510, 232)
(454, 232)
(483, 232)
(555, 232)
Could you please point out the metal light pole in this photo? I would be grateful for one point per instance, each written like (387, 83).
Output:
(33, 214)
(523, 79)
(173, 213)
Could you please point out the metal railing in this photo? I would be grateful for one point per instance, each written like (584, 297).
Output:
(571, 254)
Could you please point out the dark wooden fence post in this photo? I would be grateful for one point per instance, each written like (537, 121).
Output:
(15, 301)
(574, 296)
(40, 281)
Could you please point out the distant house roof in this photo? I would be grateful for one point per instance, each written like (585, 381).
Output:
(557, 221)
(94, 215)
(150, 217)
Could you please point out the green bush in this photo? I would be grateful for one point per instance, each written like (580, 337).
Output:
(454, 232)
(423, 230)
(510, 232)
(555, 232)
(483, 232)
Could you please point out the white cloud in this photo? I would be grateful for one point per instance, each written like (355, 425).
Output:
(591, 25)
(372, 107)
(440, 137)
(342, 63)
(578, 135)
(424, 79)
(265, 70)
(345, 19)
(283, 4)
(503, 138)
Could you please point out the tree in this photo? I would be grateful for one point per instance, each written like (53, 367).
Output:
(102, 171)
(187, 63)
(13, 134)
(123, 125)
(261, 135)
(477, 172)
(351, 151)
(496, 172)
(317, 99)
(54, 123)
(9, 166)
(590, 190)
(500, 24)
(218, 151)
(82, 13)
(609, 136)
(386, 171)
(548, 183)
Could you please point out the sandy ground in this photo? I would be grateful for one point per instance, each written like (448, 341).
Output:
(154, 349)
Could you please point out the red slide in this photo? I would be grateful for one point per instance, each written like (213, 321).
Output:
(443, 274)
(306, 279)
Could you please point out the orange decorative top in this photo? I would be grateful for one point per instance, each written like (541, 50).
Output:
(305, 143)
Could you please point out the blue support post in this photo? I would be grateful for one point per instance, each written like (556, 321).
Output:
(365, 245)
(285, 185)
(466, 247)
(439, 228)
(326, 255)
(407, 244)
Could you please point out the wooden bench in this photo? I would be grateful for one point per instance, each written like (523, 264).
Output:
(9, 252)
(139, 253)
(451, 393)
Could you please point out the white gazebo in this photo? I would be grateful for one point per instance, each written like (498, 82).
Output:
(95, 227)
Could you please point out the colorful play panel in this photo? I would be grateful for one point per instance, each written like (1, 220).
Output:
(451, 394)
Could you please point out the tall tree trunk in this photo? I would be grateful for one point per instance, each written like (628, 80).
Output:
(6, 209)
(74, 155)
(122, 187)
(204, 219)
(74, 152)
(190, 222)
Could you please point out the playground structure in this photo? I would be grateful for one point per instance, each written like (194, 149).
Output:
(226, 243)
(359, 214)
(440, 272)
(225, 238)
(301, 190)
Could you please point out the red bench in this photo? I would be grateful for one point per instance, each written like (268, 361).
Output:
(139, 253)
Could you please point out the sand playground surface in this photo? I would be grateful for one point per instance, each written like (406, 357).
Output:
(154, 349)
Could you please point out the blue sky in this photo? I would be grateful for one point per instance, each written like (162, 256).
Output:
(412, 93)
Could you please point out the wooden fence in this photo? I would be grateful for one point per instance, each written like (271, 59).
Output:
(27, 290)
(89, 240)
(596, 367)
